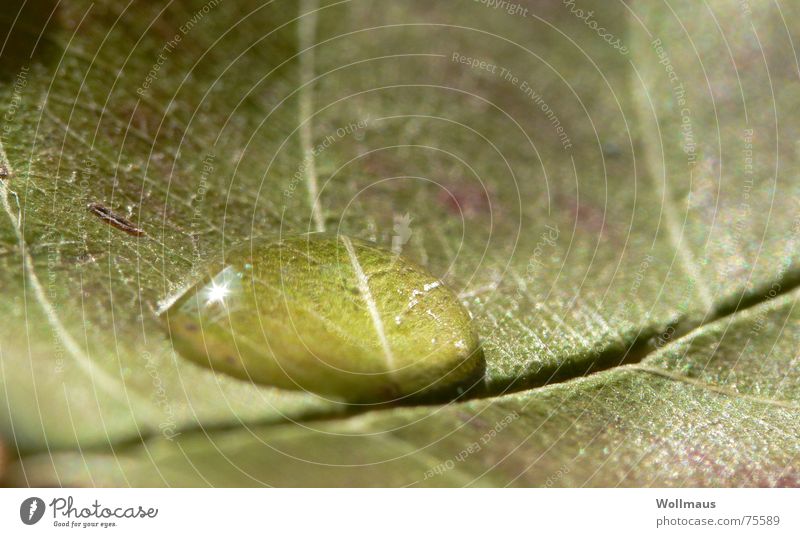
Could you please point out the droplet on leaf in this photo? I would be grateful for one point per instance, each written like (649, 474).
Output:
(330, 315)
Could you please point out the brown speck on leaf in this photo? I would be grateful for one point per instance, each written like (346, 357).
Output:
(586, 216)
(4, 458)
(106, 215)
(3, 171)
(85, 258)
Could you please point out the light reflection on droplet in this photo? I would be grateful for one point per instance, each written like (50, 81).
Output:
(221, 294)
(217, 293)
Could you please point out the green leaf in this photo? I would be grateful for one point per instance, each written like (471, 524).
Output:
(549, 177)
(85, 360)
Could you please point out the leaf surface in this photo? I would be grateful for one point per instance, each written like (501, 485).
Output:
(656, 423)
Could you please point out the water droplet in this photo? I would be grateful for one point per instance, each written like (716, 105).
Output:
(330, 315)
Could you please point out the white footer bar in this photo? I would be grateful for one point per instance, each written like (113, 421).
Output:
(401, 512)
